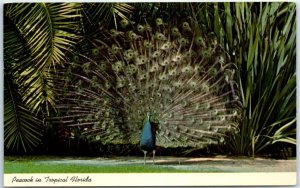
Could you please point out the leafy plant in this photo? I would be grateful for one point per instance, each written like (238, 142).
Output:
(22, 130)
(36, 38)
(261, 41)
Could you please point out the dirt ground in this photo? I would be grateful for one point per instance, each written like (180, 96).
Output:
(202, 164)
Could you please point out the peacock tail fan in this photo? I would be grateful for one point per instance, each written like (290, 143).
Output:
(182, 77)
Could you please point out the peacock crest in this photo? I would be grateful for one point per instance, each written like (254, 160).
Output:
(179, 75)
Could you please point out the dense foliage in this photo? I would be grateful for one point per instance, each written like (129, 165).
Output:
(259, 38)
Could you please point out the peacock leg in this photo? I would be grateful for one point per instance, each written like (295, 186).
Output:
(145, 153)
(153, 156)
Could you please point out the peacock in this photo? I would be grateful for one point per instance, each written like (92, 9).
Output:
(171, 75)
(148, 138)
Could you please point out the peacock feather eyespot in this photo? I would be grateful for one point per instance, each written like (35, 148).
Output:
(152, 84)
(169, 100)
(197, 106)
(107, 85)
(205, 87)
(199, 41)
(216, 88)
(132, 35)
(213, 72)
(94, 79)
(126, 99)
(102, 67)
(164, 62)
(140, 28)
(162, 77)
(215, 112)
(86, 67)
(161, 106)
(183, 41)
(181, 117)
(200, 121)
(172, 72)
(129, 54)
(154, 68)
(166, 46)
(177, 84)
(206, 53)
(186, 69)
(133, 68)
(120, 83)
(221, 59)
(97, 137)
(142, 76)
(170, 115)
(168, 88)
(76, 58)
(95, 51)
(124, 23)
(105, 102)
(177, 58)
(215, 129)
(193, 85)
(207, 106)
(142, 93)
(115, 49)
(156, 54)
(160, 36)
(185, 25)
(114, 33)
(184, 103)
(148, 44)
(159, 22)
(117, 66)
(142, 60)
(222, 118)
(164, 122)
(175, 31)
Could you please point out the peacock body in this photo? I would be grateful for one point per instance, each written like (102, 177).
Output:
(148, 136)
(176, 73)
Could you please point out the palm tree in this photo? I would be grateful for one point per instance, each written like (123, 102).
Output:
(36, 38)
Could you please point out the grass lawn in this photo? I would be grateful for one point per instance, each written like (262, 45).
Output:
(113, 164)
(31, 165)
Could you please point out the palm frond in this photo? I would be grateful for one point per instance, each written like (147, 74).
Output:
(48, 31)
(108, 13)
(22, 130)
